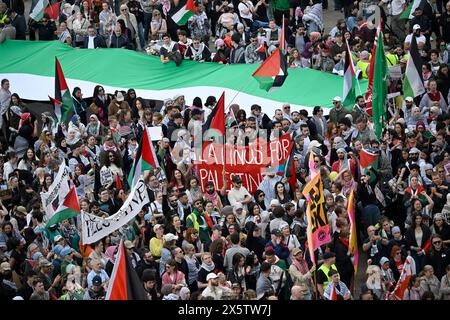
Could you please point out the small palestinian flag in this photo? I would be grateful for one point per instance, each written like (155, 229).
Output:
(215, 124)
(367, 158)
(53, 9)
(145, 159)
(37, 12)
(408, 13)
(62, 94)
(124, 283)
(118, 182)
(348, 94)
(187, 10)
(68, 209)
(272, 72)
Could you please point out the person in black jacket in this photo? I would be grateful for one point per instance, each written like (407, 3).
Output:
(46, 28)
(411, 235)
(92, 40)
(438, 256)
(18, 22)
(254, 241)
(118, 39)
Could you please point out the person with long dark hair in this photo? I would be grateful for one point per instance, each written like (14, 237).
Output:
(416, 238)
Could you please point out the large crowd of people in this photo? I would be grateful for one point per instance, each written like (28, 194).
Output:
(193, 243)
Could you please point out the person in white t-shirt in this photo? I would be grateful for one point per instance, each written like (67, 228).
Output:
(238, 194)
(420, 38)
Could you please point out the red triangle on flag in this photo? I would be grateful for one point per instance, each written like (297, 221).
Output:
(218, 119)
(71, 200)
(333, 293)
(148, 154)
(53, 10)
(190, 5)
(118, 182)
(60, 76)
(117, 289)
(270, 67)
(367, 158)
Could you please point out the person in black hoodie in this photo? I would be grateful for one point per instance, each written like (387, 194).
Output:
(46, 28)
(149, 280)
(254, 241)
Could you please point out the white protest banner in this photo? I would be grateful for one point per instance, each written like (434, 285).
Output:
(95, 228)
(57, 191)
(106, 176)
(155, 133)
(395, 72)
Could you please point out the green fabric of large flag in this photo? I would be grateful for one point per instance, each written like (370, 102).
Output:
(379, 85)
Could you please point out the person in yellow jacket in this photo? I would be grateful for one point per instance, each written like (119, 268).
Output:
(363, 64)
(156, 242)
(392, 58)
(322, 277)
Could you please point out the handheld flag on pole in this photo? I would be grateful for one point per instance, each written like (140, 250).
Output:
(62, 94)
(272, 73)
(145, 159)
(186, 11)
(409, 269)
(413, 82)
(353, 244)
(66, 210)
(379, 87)
(124, 283)
(348, 94)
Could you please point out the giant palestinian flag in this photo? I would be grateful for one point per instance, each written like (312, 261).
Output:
(67, 209)
(273, 71)
(124, 283)
(145, 159)
(33, 77)
(63, 103)
(186, 11)
(413, 81)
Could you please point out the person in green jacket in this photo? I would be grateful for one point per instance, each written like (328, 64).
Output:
(199, 221)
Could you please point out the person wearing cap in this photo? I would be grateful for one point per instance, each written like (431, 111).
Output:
(301, 274)
(338, 112)
(416, 31)
(132, 255)
(238, 193)
(46, 274)
(212, 290)
(322, 277)
(8, 288)
(66, 254)
(96, 291)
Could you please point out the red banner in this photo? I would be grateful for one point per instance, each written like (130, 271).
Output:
(247, 162)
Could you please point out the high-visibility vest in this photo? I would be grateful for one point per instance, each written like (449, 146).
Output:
(392, 59)
(363, 66)
(325, 270)
(193, 217)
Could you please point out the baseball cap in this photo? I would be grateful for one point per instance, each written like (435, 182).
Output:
(396, 230)
(36, 256)
(57, 238)
(148, 216)
(337, 98)
(97, 281)
(416, 27)
(276, 232)
(21, 209)
(66, 251)
(274, 202)
(211, 275)
(414, 150)
(409, 99)
(44, 263)
(170, 237)
(238, 206)
(157, 226)
(57, 249)
(128, 244)
(296, 251)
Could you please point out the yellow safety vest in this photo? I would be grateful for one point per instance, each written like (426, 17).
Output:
(325, 270)
(193, 217)
(392, 59)
(363, 66)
